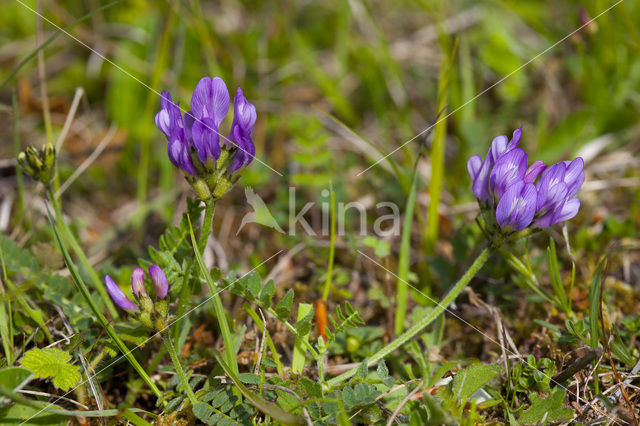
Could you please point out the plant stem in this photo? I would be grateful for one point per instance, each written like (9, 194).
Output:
(428, 319)
(178, 366)
(206, 225)
(71, 240)
(332, 248)
(229, 346)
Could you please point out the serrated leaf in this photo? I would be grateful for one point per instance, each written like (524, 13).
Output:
(283, 308)
(53, 363)
(266, 295)
(551, 408)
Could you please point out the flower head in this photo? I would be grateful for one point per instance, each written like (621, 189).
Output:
(196, 145)
(480, 171)
(118, 295)
(514, 197)
(517, 206)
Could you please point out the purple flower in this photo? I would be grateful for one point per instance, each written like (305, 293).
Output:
(244, 117)
(534, 171)
(556, 190)
(179, 150)
(509, 168)
(198, 129)
(517, 207)
(209, 106)
(159, 280)
(137, 282)
(118, 295)
(480, 171)
(169, 116)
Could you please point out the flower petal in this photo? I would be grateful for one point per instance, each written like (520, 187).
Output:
(526, 209)
(219, 101)
(200, 97)
(206, 139)
(498, 147)
(474, 164)
(509, 168)
(508, 203)
(534, 171)
(574, 176)
(118, 295)
(568, 211)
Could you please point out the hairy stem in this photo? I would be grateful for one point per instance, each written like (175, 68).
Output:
(178, 367)
(428, 319)
(227, 337)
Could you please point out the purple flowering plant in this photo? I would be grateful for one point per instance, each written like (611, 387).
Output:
(210, 160)
(151, 312)
(516, 199)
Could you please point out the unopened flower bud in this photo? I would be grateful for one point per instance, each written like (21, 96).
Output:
(137, 283)
(49, 156)
(118, 295)
(159, 280)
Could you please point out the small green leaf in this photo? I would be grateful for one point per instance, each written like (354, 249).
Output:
(362, 370)
(202, 411)
(551, 409)
(382, 370)
(54, 363)
(249, 378)
(253, 284)
(304, 325)
(266, 295)
(471, 379)
(283, 308)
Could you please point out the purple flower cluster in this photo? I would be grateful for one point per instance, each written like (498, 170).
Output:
(197, 131)
(537, 196)
(158, 278)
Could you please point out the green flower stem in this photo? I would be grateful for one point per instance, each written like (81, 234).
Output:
(428, 319)
(227, 337)
(178, 366)
(71, 240)
(98, 315)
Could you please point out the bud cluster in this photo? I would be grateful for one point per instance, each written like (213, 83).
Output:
(151, 312)
(210, 161)
(39, 163)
